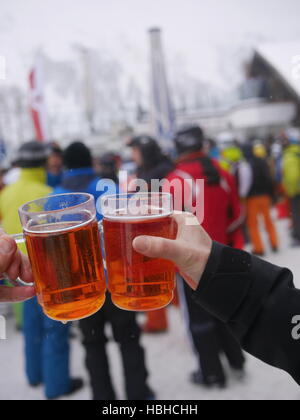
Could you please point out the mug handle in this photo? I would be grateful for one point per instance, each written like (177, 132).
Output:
(20, 239)
(101, 231)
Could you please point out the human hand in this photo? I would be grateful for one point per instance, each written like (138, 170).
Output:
(190, 251)
(14, 264)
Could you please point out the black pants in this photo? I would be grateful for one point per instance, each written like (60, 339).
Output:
(211, 337)
(126, 332)
(295, 207)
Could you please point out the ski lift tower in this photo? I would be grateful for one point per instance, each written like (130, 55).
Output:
(162, 112)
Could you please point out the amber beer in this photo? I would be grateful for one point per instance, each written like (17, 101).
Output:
(63, 243)
(67, 269)
(138, 283)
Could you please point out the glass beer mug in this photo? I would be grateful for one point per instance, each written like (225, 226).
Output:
(63, 243)
(137, 283)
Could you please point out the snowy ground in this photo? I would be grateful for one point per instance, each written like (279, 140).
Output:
(170, 360)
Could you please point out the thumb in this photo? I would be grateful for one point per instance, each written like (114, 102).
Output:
(154, 247)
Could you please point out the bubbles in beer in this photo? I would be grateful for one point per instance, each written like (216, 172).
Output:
(67, 268)
(136, 282)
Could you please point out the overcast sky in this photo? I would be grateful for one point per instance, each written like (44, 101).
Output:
(198, 35)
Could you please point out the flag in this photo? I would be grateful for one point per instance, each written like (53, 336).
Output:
(162, 113)
(37, 101)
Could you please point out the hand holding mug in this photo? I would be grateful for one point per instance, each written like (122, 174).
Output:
(190, 251)
(14, 264)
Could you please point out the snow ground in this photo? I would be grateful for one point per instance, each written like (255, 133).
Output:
(170, 360)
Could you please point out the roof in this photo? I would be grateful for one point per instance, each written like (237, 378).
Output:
(285, 60)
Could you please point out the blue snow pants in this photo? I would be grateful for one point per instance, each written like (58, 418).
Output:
(46, 351)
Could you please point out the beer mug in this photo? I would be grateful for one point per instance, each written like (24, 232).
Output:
(63, 242)
(137, 283)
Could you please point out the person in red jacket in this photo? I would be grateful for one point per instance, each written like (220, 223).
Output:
(223, 215)
(222, 219)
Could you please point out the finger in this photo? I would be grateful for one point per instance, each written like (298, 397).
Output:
(16, 294)
(8, 248)
(25, 270)
(154, 247)
(13, 271)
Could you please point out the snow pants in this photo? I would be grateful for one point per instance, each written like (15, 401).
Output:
(46, 351)
(126, 333)
(256, 207)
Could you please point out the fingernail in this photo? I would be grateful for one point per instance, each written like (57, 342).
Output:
(142, 244)
(6, 247)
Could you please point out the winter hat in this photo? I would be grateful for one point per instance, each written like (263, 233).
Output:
(32, 154)
(77, 155)
(189, 139)
(142, 141)
(226, 140)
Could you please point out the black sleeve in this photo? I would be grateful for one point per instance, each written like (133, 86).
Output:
(259, 303)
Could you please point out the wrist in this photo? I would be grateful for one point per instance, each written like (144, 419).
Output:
(194, 274)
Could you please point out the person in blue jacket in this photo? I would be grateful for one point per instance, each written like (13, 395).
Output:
(81, 177)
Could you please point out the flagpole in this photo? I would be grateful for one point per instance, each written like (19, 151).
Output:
(88, 87)
(162, 112)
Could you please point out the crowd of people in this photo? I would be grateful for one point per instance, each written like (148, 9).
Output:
(243, 183)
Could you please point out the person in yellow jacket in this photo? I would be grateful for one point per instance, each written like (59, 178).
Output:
(30, 185)
(230, 153)
(291, 178)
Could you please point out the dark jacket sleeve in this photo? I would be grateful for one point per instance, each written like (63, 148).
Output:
(259, 303)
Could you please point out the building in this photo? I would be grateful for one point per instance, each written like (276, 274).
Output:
(267, 102)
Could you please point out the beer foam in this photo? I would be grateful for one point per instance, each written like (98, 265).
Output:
(58, 227)
(122, 214)
(38, 225)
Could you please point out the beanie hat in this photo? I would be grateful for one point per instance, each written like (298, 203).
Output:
(77, 155)
(142, 141)
(32, 154)
(189, 139)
